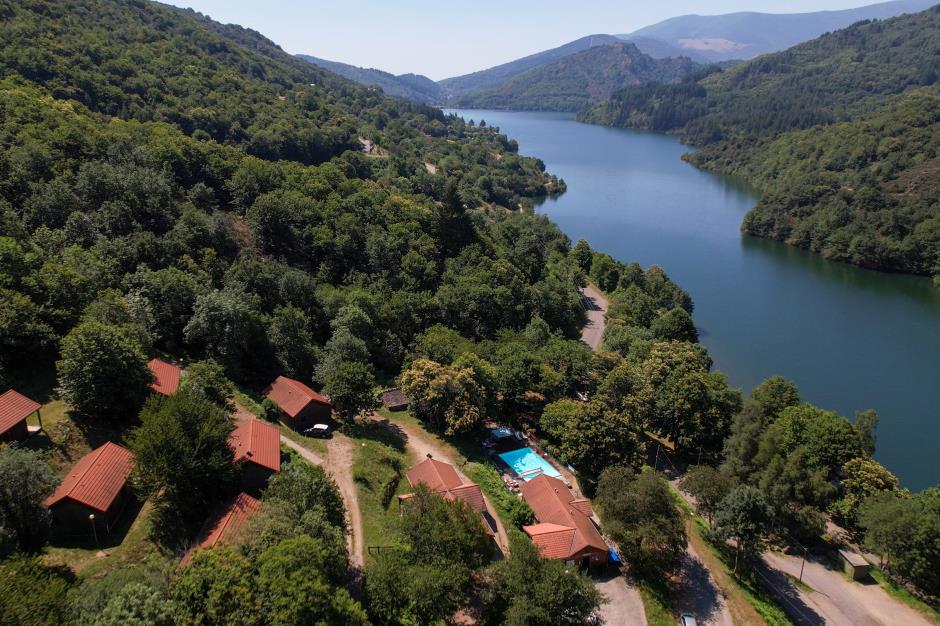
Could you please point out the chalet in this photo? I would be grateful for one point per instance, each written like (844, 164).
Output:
(395, 400)
(257, 448)
(442, 479)
(564, 529)
(15, 408)
(93, 493)
(166, 377)
(301, 407)
(225, 523)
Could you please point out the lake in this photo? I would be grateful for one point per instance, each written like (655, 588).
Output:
(851, 339)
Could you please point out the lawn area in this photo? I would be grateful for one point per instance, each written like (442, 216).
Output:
(748, 601)
(128, 546)
(657, 603)
(378, 471)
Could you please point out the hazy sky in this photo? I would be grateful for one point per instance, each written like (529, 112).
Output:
(442, 39)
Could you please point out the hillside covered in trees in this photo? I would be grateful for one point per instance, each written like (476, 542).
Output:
(413, 87)
(576, 80)
(869, 198)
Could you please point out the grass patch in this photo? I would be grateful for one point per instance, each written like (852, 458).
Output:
(507, 504)
(902, 595)
(748, 600)
(379, 475)
(129, 545)
(657, 602)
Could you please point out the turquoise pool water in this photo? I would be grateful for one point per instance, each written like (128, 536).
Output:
(526, 462)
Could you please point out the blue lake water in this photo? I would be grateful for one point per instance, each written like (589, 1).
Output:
(852, 339)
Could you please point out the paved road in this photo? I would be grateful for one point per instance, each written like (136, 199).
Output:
(623, 604)
(834, 599)
(595, 305)
(699, 594)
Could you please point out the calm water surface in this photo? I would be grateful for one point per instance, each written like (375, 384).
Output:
(852, 339)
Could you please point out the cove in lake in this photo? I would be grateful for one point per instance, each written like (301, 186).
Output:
(851, 339)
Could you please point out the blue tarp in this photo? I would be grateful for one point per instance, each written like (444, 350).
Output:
(614, 557)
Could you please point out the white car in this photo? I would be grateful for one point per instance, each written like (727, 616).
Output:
(318, 430)
(687, 619)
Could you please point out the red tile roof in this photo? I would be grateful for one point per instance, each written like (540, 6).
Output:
(14, 408)
(442, 479)
(258, 442)
(292, 396)
(97, 479)
(166, 377)
(225, 522)
(552, 540)
(555, 507)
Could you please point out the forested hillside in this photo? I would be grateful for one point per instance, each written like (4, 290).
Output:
(215, 190)
(484, 79)
(413, 87)
(857, 206)
(576, 80)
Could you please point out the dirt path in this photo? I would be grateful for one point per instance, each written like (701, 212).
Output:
(340, 453)
(595, 305)
(834, 599)
(421, 443)
(338, 465)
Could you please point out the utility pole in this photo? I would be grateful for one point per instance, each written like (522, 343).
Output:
(803, 562)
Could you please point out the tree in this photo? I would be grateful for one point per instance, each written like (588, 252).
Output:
(217, 588)
(829, 439)
(26, 479)
(207, 379)
(295, 588)
(906, 531)
(675, 325)
(449, 400)
(136, 604)
(308, 487)
(351, 388)
(182, 454)
(774, 395)
(582, 255)
(641, 516)
(399, 591)
(708, 486)
(34, 594)
(526, 588)
(103, 371)
(228, 327)
(279, 520)
(444, 531)
(861, 479)
(743, 516)
(866, 422)
(689, 405)
(292, 341)
(592, 437)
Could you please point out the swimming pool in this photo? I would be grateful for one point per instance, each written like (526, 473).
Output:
(528, 464)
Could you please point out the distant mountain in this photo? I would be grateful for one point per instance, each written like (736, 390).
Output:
(747, 35)
(840, 135)
(485, 79)
(576, 80)
(414, 87)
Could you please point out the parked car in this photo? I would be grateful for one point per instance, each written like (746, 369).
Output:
(687, 619)
(318, 430)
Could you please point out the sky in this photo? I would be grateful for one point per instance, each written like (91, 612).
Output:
(448, 38)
